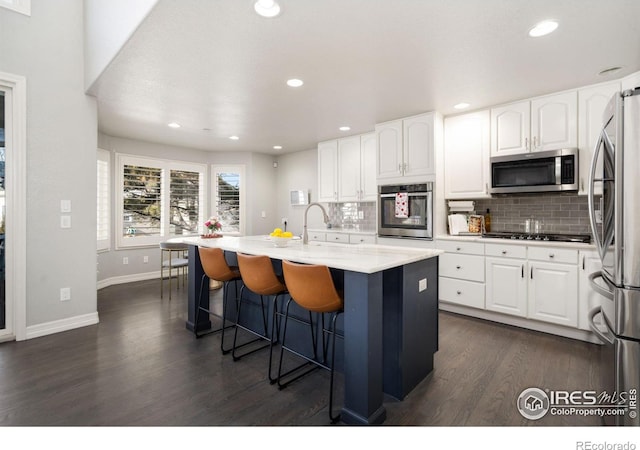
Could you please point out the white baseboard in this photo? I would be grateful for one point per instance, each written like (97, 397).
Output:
(128, 279)
(57, 326)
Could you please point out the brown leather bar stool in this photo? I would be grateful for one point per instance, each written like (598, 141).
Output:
(177, 259)
(260, 278)
(312, 288)
(216, 268)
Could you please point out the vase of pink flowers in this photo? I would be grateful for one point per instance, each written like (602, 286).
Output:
(212, 226)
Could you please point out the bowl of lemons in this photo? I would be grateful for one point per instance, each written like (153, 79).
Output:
(280, 238)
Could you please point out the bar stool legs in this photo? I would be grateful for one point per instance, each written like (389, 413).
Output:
(224, 326)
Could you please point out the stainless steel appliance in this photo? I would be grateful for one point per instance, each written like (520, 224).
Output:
(418, 220)
(617, 238)
(555, 170)
(557, 237)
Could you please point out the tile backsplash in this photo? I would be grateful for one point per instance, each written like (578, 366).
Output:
(357, 216)
(559, 213)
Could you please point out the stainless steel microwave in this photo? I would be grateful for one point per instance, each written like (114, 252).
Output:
(548, 171)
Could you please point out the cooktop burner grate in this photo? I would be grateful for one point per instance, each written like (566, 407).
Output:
(581, 238)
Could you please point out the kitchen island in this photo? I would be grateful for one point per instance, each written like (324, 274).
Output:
(390, 313)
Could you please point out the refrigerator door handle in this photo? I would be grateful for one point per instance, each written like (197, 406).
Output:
(596, 287)
(591, 194)
(606, 337)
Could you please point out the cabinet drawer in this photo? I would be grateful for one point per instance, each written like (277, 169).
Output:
(338, 237)
(317, 237)
(508, 251)
(362, 239)
(463, 267)
(461, 292)
(550, 254)
(471, 248)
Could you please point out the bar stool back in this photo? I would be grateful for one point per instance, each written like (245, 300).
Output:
(311, 287)
(260, 278)
(216, 268)
(177, 259)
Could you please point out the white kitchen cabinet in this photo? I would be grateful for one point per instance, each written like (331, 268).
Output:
(506, 285)
(342, 238)
(328, 171)
(362, 239)
(406, 148)
(461, 267)
(466, 155)
(631, 81)
(543, 123)
(349, 169)
(368, 185)
(591, 105)
(553, 293)
(587, 297)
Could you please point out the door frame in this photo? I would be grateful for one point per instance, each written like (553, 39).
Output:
(15, 89)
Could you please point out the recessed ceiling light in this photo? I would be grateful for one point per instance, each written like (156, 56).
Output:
(277, 147)
(173, 125)
(344, 128)
(267, 8)
(610, 71)
(462, 105)
(543, 28)
(294, 82)
(234, 138)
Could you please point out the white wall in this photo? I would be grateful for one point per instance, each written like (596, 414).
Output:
(47, 49)
(298, 171)
(108, 26)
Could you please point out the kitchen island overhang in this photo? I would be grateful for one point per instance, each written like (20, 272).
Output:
(390, 312)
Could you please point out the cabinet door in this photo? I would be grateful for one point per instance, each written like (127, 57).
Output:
(591, 104)
(506, 286)
(510, 127)
(554, 122)
(389, 149)
(349, 169)
(588, 298)
(466, 155)
(418, 142)
(631, 81)
(368, 185)
(553, 293)
(327, 171)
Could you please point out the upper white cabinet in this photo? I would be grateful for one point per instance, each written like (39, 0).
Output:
(591, 104)
(466, 155)
(328, 171)
(356, 168)
(544, 123)
(631, 81)
(406, 148)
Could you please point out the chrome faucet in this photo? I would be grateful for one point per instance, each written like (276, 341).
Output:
(305, 236)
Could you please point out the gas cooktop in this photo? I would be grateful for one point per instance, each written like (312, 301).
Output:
(582, 238)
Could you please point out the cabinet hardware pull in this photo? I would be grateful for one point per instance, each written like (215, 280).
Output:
(551, 255)
(400, 168)
(532, 272)
(583, 262)
(405, 167)
(535, 142)
(486, 188)
(526, 143)
(458, 267)
(522, 271)
(582, 184)
(504, 252)
(459, 292)
(457, 249)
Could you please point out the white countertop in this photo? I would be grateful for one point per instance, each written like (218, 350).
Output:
(555, 244)
(364, 258)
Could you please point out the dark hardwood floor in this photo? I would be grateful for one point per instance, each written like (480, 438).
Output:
(140, 366)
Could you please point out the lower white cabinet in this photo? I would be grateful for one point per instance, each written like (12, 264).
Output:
(461, 292)
(506, 286)
(553, 293)
(461, 270)
(343, 238)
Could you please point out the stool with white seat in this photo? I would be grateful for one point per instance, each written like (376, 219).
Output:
(177, 259)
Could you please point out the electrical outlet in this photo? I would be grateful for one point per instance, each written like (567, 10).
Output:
(263, 214)
(422, 285)
(145, 259)
(125, 260)
(65, 221)
(65, 294)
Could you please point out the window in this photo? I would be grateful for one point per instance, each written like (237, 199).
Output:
(158, 199)
(103, 202)
(21, 6)
(229, 198)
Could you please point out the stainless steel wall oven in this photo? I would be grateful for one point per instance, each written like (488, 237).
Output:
(406, 211)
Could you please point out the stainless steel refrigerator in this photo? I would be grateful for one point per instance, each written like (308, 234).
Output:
(614, 190)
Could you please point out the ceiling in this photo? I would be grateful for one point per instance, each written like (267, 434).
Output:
(218, 69)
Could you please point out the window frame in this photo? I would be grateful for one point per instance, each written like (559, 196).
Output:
(104, 244)
(166, 166)
(240, 169)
